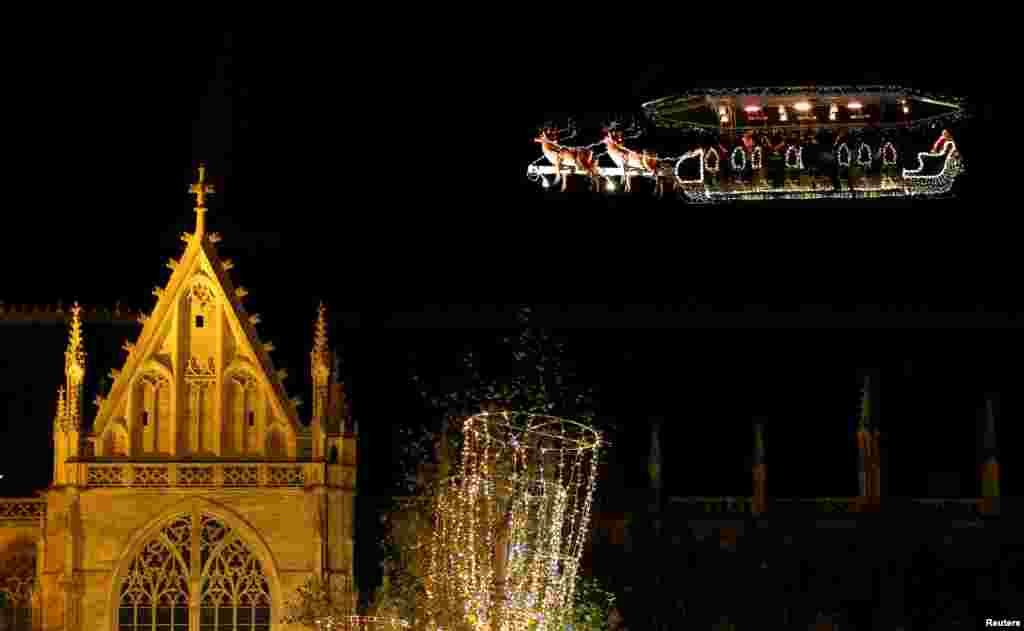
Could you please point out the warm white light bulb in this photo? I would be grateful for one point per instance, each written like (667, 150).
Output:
(802, 106)
(854, 105)
(753, 108)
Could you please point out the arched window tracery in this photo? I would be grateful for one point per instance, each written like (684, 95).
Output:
(17, 578)
(233, 593)
(239, 435)
(152, 401)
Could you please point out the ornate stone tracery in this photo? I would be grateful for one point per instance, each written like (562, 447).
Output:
(224, 588)
(201, 297)
(17, 579)
(196, 369)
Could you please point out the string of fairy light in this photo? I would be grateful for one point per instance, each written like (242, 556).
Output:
(915, 184)
(359, 623)
(661, 110)
(888, 155)
(511, 526)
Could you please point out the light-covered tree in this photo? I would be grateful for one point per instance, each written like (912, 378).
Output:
(593, 606)
(528, 372)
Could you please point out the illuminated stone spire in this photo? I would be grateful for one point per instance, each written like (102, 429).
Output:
(61, 408)
(320, 364)
(60, 438)
(201, 189)
(320, 332)
(74, 369)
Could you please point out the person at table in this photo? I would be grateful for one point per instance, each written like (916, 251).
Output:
(940, 144)
(840, 139)
(748, 142)
(810, 157)
(724, 163)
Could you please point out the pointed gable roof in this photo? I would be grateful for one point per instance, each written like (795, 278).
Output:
(200, 257)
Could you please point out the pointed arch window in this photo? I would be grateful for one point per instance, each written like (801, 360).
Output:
(240, 422)
(169, 587)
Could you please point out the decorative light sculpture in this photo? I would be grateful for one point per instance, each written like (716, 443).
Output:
(360, 623)
(511, 525)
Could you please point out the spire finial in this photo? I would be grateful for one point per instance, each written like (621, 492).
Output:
(75, 354)
(201, 189)
(60, 402)
(74, 368)
(320, 330)
(320, 356)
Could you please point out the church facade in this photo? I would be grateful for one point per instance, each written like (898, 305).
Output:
(198, 500)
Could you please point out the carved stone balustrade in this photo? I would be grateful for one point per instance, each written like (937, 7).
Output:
(22, 510)
(212, 474)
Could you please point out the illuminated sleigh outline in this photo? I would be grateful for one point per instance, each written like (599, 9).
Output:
(866, 170)
(916, 183)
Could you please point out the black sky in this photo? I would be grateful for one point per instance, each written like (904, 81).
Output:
(779, 311)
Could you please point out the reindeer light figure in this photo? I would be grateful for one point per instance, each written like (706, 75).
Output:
(557, 154)
(627, 159)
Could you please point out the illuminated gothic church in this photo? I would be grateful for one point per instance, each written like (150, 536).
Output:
(199, 499)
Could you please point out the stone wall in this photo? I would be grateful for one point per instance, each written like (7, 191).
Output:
(98, 532)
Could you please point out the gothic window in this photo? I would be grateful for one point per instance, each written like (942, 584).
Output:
(199, 321)
(232, 590)
(240, 420)
(17, 576)
(150, 405)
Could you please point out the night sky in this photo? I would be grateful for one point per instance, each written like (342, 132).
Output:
(706, 317)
